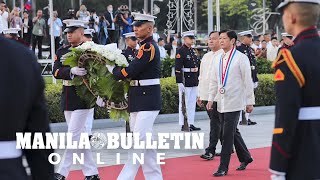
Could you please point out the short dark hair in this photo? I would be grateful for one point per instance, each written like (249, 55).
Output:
(263, 41)
(266, 34)
(2, 2)
(93, 10)
(274, 38)
(160, 39)
(213, 32)
(230, 34)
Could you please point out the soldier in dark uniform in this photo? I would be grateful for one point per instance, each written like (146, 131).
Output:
(131, 41)
(187, 64)
(245, 48)
(144, 95)
(13, 33)
(295, 145)
(23, 109)
(287, 41)
(76, 111)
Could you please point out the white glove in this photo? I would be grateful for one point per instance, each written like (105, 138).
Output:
(78, 71)
(255, 85)
(110, 68)
(181, 87)
(100, 102)
(277, 177)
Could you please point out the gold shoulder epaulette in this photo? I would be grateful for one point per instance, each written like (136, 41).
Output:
(286, 56)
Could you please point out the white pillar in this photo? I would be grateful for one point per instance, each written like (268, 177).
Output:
(181, 15)
(264, 17)
(52, 38)
(151, 10)
(130, 5)
(210, 16)
(145, 7)
(218, 14)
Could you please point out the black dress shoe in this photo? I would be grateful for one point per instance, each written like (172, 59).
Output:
(182, 129)
(194, 128)
(217, 154)
(251, 122)
(244, 165)
(220, 173)
(93, 177)
(207, 156)
(58, 176)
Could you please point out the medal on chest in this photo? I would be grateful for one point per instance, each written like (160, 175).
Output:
(223, 73)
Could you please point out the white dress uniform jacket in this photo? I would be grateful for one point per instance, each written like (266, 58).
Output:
(205, 72)
(239, 88)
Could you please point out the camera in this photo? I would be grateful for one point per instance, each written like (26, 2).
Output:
(71, 14)
(121, 11)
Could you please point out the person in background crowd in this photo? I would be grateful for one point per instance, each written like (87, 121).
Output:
(93, 20)
(38, 32)
(126, 27)
(238, 43)
(296, 135)
(272, 51)
(57, 30)
(262, 52)
(155, 34)
(88, 35)
(187, 70)
(83, 14)
(103, 30)
(131, 41)
(161, 44)
(206, 67)
(109, 16)
(27, 26)
(21, 65)
(4, 15)
(171, 46)
(246, 39)
(256, 43)
(232, 88)
(15, 19)
(267, 38)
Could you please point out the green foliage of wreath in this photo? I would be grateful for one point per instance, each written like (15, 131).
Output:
(99, 83)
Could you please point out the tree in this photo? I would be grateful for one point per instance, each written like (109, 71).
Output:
(234, 14)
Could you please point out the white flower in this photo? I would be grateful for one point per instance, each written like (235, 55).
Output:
(86, 45)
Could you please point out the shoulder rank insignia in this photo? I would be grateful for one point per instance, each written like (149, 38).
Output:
(286, 56)
(278, 76)
(178, 56)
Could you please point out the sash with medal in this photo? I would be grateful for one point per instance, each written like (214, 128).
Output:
(223, 75)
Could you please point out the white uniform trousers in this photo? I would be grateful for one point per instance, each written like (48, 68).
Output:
(191, 100)
(89, 121)
(76, 121)
(142, 122)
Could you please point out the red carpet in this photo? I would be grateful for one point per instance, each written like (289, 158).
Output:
(194, 168)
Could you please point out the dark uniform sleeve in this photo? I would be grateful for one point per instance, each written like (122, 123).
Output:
(179, 66)
(60, 71)
(288, 83)
(38, 122)
(145, 55)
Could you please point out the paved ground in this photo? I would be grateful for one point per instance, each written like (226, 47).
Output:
(255, 136)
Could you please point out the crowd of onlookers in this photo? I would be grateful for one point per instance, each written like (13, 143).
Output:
(267, 46)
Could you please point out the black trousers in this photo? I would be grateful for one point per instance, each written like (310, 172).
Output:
(215, 129)
(27, 38)
(12, 169)
(231, 135)
(37, 40)
(112, 36)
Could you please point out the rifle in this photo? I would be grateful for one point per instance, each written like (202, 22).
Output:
(184, 108)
